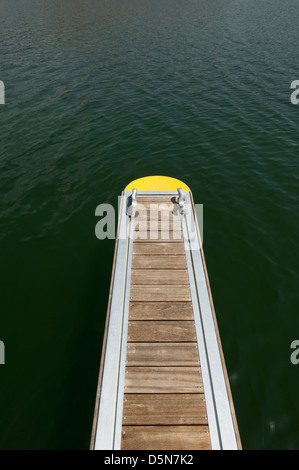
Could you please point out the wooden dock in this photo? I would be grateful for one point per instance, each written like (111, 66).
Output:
(165, 396)
(164, 403)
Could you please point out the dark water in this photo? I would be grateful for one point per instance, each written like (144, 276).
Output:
(99, 93)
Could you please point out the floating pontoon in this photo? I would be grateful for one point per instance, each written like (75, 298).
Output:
(163, 383)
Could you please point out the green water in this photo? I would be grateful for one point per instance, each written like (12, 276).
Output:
(99, 93)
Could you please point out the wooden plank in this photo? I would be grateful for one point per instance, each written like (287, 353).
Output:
(163, 380)
(152, 223)
(149, 236)
(153, 262)
(160, 293)
(163, 409)
(163, 202)
(156, 212)
(165, 438)
(161, 331)
(156, 206)
(159, 276)
(162, 354)
(157, 209)
(161, 311)
(159, 199)
(159, 248)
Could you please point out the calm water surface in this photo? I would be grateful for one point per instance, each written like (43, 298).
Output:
(99, 93)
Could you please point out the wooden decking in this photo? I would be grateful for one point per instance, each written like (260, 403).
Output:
(163, 383)
(164, 402)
